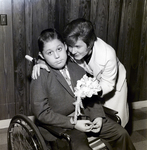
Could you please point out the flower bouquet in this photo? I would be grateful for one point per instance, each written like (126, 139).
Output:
(86, 87)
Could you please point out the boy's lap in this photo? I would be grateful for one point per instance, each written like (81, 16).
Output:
(111, 130)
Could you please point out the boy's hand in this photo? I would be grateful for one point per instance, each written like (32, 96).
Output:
(36, 70)
(97, 124)
(83, 125)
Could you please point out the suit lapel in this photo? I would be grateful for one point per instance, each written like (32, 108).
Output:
(62, 81)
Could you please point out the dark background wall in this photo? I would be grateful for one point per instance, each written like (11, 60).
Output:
(121, 23)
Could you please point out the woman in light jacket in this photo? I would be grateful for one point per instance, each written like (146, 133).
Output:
(100, 60)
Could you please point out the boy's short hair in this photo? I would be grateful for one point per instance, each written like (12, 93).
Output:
(79, 29)
(48, 35)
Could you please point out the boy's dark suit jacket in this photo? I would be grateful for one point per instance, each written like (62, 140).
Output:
(52, 99)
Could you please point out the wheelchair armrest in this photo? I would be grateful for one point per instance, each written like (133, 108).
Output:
(57, 131)
(112, 114)
(109, 111)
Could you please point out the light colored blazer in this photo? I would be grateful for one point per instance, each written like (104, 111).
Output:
(106, 67)
(111, 74)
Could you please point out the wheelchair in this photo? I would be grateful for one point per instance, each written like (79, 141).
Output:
(23, 134)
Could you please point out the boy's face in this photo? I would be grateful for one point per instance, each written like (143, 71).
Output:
(79, 50)
(54, 52)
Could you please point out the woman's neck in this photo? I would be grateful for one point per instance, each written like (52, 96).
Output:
(88, 56)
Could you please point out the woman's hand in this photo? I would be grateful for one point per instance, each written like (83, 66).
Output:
(36, 70)
(83, 125)
(97, 124)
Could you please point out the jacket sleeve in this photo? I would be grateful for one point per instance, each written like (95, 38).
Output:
(105, 61)
(109, 74)
(41, 107)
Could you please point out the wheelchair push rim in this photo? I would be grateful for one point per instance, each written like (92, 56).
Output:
(24, 135)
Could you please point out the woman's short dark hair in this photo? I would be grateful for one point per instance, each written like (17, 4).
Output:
(48, 35)
(79, 29)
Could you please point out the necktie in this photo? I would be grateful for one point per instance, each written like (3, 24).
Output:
(67, 77)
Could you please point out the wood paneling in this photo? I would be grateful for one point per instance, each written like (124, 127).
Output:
(129, 45)
(115, 7)
(28, 50)
(142, 61)
(121, 23)
(19, 46)
(100, 17)
(7, 98)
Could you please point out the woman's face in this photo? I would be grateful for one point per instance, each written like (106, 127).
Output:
(79, 50)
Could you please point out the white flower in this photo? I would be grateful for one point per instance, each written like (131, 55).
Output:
(86, 87)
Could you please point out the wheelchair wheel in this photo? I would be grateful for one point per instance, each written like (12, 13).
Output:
(24, 135)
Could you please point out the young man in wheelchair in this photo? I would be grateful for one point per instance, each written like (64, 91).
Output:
(52, 101)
